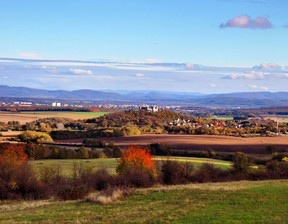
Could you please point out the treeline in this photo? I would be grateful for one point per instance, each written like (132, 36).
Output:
(131, 122)
(135, 168)
(40, 152)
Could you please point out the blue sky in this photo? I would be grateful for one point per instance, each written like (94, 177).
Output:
(219, 45)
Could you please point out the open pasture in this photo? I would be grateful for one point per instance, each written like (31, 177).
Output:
(24, 117)
(66, 165)
(231, 202)
(110, 164)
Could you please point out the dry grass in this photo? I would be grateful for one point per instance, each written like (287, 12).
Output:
(24, 205)
(24, 117)
(109, 196)
(220, 186)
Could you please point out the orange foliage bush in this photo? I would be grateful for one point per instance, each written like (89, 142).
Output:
(136, 158)
(13, 154)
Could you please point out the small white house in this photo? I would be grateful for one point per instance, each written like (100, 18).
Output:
(150, 108)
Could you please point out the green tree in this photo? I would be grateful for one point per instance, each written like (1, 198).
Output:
(241, 162)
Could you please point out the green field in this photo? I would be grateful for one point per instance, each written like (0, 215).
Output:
(221, 118)
(110, 164)
(197, 161)
(232, 202)
(67, 165)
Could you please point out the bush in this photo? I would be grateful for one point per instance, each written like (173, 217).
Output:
(34, 136)
(51, 175)
(241, 163)
(160, 149)
(17, 179)
(277, 169)
(83, 153)
(135, 178)
(279, 156)
(136, 158)
(173, 172)
(112, 151)
(130, 130)
(27, 184)
(72, 192)
(93, 143)
(101, 179)
(210, 173)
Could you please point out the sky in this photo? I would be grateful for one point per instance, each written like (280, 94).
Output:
(205, 46)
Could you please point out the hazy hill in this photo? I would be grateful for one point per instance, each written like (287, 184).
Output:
(245, 99)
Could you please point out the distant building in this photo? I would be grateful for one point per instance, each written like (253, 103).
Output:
(149, 108)
(56, 104)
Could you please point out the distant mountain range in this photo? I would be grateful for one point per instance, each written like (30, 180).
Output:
(242, 99)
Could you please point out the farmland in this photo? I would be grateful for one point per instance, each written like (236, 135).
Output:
(233, 202)
(201, 142)
(24, 117)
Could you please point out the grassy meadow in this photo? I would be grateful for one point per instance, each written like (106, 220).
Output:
(66, 165)
(231, 202)
(222, 118)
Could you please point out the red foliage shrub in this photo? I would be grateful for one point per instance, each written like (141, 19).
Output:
(13, 154)
(136, 158)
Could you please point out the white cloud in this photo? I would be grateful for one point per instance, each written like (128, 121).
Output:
(5, 77)
(50, 69)
(190, 66)
(213, 85)
(139, 75)
(252, 75)
(29, 55)
(247, 22)
(267, 66)
(262, 88)
(8, 60)
(81, 71)
(152, 60)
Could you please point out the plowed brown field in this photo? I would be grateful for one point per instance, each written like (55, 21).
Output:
(204, 142)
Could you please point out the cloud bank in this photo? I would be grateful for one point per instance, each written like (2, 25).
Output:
(251, 76)
(246, 22)
(255, 87)
(267, 66)
(81, 71)
(187, 77)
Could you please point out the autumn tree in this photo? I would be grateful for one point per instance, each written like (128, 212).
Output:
(12, 160)
(34, 136)
(136, 158)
